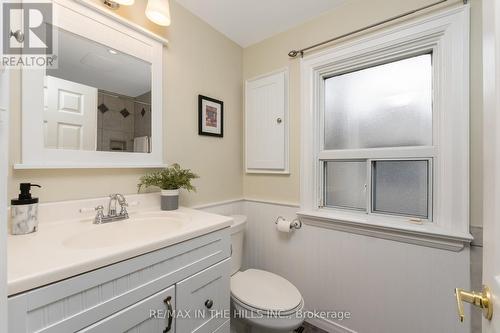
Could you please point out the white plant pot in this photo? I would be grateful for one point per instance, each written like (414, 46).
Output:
(169, 199)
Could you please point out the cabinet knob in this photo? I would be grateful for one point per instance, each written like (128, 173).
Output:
(209, 303)
(279, 120)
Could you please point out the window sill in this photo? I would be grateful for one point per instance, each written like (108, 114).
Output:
(426, 234)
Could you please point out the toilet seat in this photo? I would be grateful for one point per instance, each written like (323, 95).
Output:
(259, 290)
(249, 309)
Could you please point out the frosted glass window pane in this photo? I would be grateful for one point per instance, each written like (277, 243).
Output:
(345, 184)
(388, 105)
(401, 187)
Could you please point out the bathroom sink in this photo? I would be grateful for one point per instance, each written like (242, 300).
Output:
(142, 227)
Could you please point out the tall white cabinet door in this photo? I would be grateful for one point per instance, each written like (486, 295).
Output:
(266, 123)
(71, 115)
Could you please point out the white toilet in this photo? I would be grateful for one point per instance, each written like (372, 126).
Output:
(261, 300)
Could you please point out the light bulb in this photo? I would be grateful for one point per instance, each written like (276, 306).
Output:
(158, 11)
(125, 2)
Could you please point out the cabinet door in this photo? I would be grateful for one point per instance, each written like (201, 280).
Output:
(204, 299)
(153, 314)
(224, 328)
(266, 124)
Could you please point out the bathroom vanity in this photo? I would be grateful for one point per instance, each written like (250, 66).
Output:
(102, 107)
(156, 272)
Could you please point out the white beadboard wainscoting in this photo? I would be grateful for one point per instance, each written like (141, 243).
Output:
(388, 286)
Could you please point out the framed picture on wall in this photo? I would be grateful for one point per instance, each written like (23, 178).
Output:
(210, 116)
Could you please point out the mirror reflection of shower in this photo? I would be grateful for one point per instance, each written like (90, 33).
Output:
(97, 99)
(124, 123)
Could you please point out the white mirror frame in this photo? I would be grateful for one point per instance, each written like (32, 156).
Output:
(104, 27)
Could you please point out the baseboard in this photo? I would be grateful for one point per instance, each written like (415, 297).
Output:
(329, 326)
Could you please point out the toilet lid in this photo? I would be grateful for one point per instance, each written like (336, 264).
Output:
(264, 290)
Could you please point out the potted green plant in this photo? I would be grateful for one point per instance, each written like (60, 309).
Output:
(170, 180)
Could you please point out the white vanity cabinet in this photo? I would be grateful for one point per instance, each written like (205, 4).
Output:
(206, 296)
(153, 314)
(135, 295)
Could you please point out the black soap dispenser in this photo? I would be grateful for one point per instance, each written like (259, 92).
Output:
(24, 211)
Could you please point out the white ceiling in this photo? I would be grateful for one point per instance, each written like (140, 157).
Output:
(84, 61)
(250, 21)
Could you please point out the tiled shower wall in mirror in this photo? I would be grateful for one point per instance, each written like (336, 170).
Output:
(123, 123)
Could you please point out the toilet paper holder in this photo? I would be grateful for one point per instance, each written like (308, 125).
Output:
(296, 223)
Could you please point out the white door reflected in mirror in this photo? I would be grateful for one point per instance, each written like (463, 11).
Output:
(70, 115)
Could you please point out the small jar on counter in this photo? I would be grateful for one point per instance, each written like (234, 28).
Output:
(24, 211)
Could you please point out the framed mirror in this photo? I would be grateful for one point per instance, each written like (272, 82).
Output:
(100, 105)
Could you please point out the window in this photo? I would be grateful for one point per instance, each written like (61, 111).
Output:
(345, 184)
(388, 105)
(401, 187)
(371, 111)
(385, 133)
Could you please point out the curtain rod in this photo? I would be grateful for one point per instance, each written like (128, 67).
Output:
(294, 53)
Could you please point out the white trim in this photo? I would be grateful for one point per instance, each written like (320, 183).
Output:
(286, 170)
(75, 17)
(262, 201)
(251, 171)
(446, 33)
(403, 217)
(428, 235)
(378, 153)
(3, 114)
(491, 155)
(121, 20)
(234, 201)
(261, 76)
(425, 234)
(218, 203)
(28, 166)
(4, 162)
(329, 326)
(272, 202)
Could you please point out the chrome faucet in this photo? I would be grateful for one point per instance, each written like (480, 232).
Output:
(112, 216)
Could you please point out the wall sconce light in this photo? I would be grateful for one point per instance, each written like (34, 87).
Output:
(115, 4)
(158, 11)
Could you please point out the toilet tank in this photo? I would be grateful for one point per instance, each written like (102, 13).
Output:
(237, 232)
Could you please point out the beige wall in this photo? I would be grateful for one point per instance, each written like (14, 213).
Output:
(199, 60)
(271, 54)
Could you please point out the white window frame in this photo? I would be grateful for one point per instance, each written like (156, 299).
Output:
(446, 35)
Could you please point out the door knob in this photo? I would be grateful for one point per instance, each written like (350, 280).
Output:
(279, 120)
(481, 300)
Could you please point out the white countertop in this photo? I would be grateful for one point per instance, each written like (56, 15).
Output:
(63, 249)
